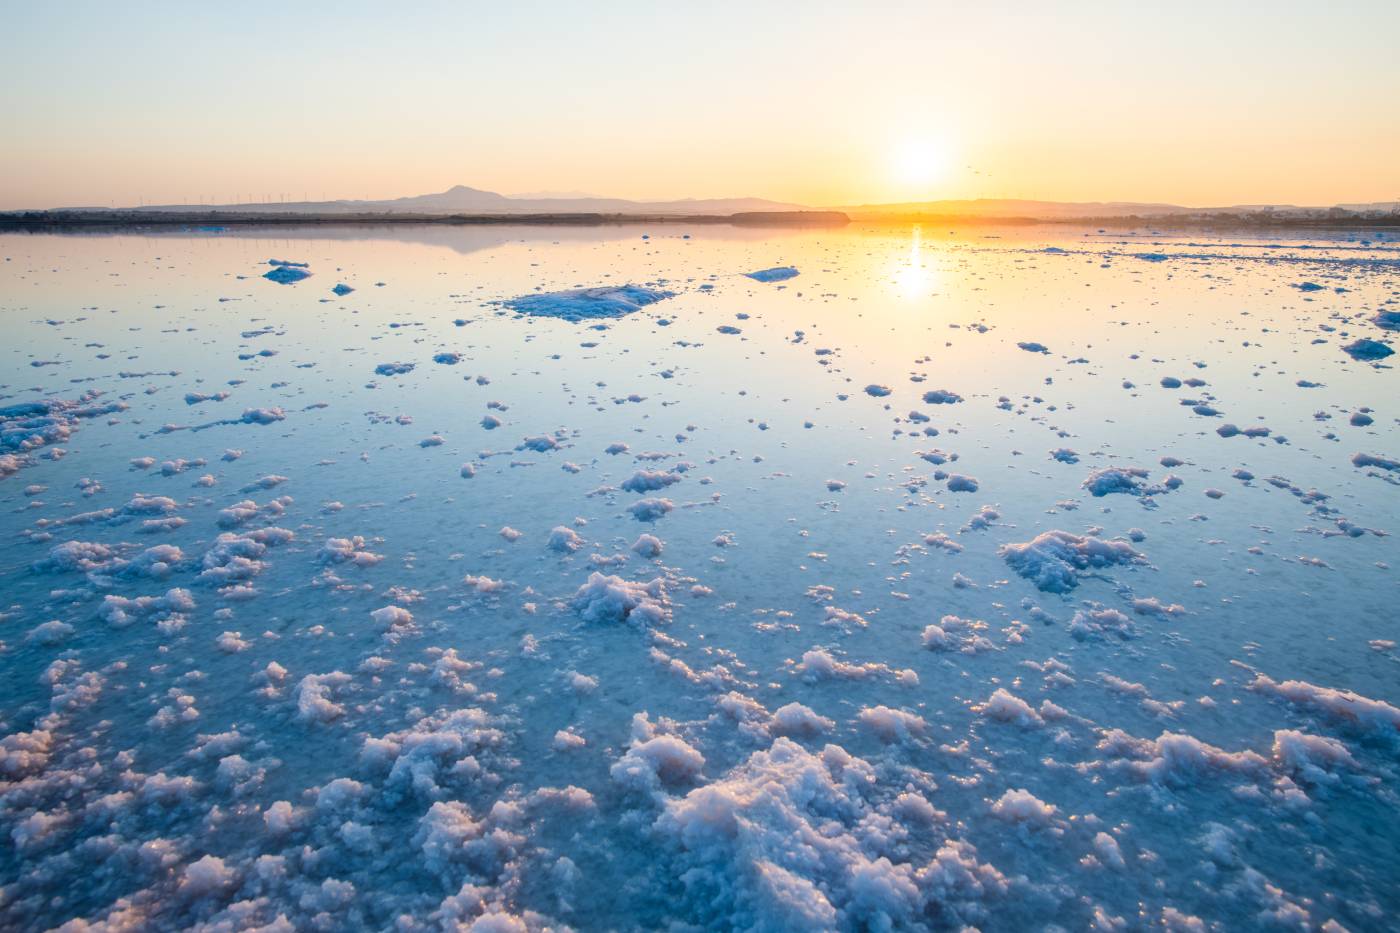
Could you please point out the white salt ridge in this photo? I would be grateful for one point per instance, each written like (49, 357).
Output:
(1177, 759)
(1343, 706)
(819, 664)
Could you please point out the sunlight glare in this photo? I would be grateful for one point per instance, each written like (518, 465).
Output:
(913, 279)
(918, 163)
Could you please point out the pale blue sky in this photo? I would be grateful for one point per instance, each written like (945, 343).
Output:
(1200, 103)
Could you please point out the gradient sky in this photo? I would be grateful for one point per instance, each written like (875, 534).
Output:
(1192, 103)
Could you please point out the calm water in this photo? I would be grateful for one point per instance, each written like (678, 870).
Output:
(323, 649)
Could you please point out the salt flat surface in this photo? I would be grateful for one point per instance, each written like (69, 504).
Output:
(1021, 579)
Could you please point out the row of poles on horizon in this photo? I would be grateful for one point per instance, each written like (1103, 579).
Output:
(212, 201)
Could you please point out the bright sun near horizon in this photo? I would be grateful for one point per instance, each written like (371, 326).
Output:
(917, 165)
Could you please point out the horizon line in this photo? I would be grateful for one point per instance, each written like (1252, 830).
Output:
(281, 199)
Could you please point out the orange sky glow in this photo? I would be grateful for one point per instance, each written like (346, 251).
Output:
(822, 104)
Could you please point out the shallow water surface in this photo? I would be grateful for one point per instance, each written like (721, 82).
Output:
(1008, 578)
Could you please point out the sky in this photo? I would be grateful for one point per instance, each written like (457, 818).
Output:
(825, 104)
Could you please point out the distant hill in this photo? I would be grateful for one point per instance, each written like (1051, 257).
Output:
(460, 199)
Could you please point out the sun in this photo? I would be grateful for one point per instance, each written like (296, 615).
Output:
(915, 164)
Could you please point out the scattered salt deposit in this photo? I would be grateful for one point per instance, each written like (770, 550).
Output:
(348, 655)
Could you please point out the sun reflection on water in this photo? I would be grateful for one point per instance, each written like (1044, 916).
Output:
(911, 274)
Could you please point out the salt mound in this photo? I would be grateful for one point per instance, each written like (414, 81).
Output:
(784, 841)
(957, 482)
(564, 540)
(650, 508)
(655, 758)
(588, 303)
(1368, 460)
(1115, 479)
(798, 720)
(1314, 758)
(1367, 349)
(891, 725)
(613, 599)
(1095, 624)
(1055, 560)
(286, 272)
(775, 274)
(1004, 706)
(1019, 805)
(650, 480)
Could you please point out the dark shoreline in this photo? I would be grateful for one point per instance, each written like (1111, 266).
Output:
(97, 220)
(77, 220)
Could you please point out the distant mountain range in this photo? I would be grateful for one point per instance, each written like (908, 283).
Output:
(463, 202)
(460, 199)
